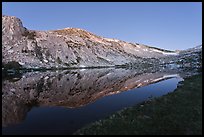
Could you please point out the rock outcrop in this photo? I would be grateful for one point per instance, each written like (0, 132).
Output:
(69, 47)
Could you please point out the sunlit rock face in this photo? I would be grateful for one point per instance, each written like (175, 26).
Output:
(68, 47)
(70, 89)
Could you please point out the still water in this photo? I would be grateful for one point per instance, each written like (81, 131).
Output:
(61, 102)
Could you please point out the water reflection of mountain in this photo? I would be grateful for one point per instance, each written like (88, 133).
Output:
(71, 89)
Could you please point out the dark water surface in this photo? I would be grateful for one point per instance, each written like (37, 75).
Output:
(64, 101)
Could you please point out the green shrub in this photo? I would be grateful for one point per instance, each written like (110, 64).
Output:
(12, 65)
(38, 53)
(30, 34)
(59, 60)
(78, 59)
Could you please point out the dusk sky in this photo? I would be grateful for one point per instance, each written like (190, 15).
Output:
(168, 25)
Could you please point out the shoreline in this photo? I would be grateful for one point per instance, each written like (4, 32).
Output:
(179, 112)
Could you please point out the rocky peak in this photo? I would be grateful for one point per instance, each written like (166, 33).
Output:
(12, 26)
(75, 32)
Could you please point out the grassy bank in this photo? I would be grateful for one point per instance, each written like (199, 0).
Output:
(179, 112)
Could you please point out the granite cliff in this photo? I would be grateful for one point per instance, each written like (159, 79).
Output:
(69, 47)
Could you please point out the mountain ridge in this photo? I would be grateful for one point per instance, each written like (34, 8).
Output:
(69, 47)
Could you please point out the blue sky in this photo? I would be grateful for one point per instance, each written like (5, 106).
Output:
(168, 25)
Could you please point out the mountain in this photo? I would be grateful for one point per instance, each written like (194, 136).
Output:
(70, 47)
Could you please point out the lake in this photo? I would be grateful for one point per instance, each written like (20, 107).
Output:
(61, 102)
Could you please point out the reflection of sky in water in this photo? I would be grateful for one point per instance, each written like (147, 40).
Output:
(137, 95)
(59, 120)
